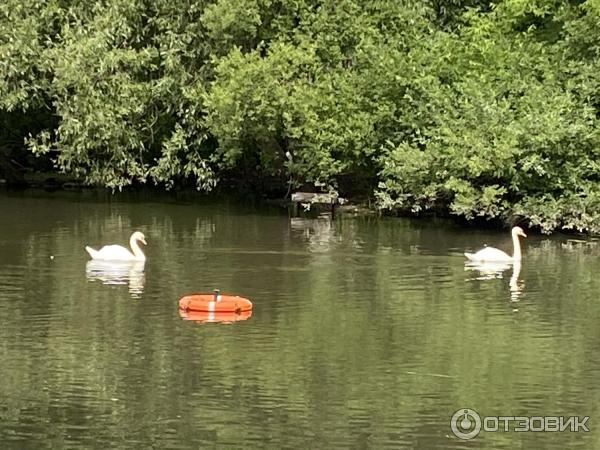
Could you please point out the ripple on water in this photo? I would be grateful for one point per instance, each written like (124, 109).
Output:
(365, 334)
(12, 279)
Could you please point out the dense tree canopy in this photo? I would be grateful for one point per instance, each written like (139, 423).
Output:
(475, 108)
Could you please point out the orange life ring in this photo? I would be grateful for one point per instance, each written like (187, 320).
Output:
(214, 303)
(223, 317)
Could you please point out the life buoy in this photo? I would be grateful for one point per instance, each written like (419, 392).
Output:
(222, 317)
(214, 303)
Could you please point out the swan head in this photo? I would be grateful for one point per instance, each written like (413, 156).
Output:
(139, 236)
(518, 231)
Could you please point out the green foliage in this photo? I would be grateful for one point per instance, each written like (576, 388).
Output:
(479, 109)
(122, 78)
(514, 134)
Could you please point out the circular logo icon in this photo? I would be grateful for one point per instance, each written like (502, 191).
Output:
(465, 424)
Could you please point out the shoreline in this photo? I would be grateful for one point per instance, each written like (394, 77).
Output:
(358, 206)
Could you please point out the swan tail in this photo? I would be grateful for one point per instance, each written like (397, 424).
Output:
(93, 253)
(470, 256)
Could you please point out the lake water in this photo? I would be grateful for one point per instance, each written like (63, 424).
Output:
(365, 333)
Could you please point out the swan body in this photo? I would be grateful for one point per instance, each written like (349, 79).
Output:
(491, 254)
(120, 253)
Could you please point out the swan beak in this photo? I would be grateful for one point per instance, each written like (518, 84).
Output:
(143, 241)
(522, 233)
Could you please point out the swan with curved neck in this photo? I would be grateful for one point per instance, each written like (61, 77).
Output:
(120, 253)
(492, 254)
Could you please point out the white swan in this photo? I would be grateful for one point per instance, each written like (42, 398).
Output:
(120, 253)
(492, 254)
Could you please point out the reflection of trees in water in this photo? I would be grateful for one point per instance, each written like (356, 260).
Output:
(337, 351)
(196, 232)
(558, 246)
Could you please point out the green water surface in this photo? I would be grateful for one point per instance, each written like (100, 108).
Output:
(365, 333)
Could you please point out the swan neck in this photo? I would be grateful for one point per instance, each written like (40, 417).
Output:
(135, 248)
(516, 247)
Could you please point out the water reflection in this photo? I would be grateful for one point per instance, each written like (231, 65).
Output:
(495, 270)
(516, 285)
(317, 232)
(213, 317)
(368, 343)
(487, 270)
(130, 273)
